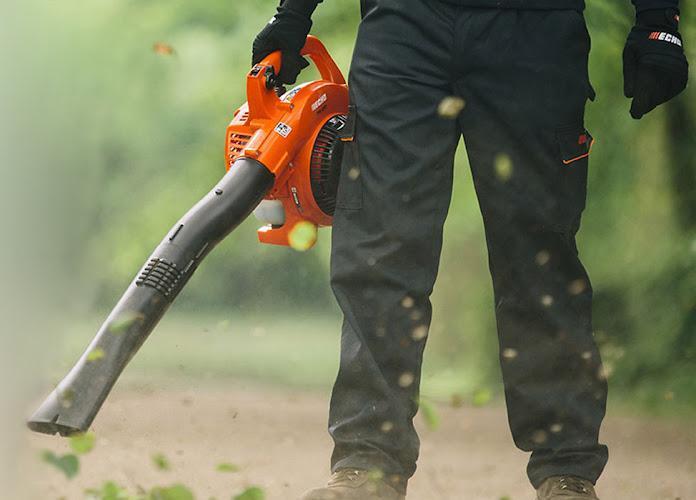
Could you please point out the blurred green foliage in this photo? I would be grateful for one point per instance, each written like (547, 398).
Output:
(82, 443)
(137, 95)
(67, 464)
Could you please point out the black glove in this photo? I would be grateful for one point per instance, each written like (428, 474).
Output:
(655, 67)
(287, 31)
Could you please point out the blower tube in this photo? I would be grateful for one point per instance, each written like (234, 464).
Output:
(72, 406)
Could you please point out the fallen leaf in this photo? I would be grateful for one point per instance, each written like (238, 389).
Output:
(227, 467)
(161, 462)
(253, 493)
(175, 492)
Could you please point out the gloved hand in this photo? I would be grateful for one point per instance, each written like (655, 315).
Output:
(287, 31)
(655, 67)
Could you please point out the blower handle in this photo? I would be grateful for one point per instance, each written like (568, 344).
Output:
(316, 51)
(262, 81)
(321, 58)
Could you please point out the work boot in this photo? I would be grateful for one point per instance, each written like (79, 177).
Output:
(354, 484)
(566, 488)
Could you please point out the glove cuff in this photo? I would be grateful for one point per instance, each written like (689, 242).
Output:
(667, 19)
(304, 7)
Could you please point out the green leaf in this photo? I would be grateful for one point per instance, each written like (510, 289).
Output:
(302, 236)
(253, 493)
(67, 464)
(482, 397)
(125, 321)
(227, 467)
(67, 398)
(429, 414)
(82, 443)
(108, 491)
(176, 492)
(161, 462)
(95, 354)
(375, 475)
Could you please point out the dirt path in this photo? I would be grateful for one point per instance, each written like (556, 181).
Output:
(279, 441)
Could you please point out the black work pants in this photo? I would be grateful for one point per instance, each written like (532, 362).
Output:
(523, 77)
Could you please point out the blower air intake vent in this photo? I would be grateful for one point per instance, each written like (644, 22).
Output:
(237, 144)
(325, 165)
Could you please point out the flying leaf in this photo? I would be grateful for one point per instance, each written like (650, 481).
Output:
(482, 397)
(95, 354)
(303, 236)
(451, 107)
(67, 464)
(67, 397)
(163, 49)
(125, 321)
(429, 414)
(503, 167)
(82, 443)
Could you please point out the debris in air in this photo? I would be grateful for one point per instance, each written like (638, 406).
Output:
(451, 107)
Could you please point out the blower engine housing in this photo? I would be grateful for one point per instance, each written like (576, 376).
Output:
(304, 191)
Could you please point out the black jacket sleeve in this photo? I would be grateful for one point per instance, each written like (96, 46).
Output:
(305, 7)
(642, 5)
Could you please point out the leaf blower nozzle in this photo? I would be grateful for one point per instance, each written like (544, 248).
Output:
(285, 151)
(72, 406)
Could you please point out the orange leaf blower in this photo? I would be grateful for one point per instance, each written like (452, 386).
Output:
(283, 160)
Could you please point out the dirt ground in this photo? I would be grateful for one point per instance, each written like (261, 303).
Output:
(279, 441)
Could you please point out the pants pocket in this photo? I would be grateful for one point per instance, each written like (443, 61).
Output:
(574, 147)
(350, 192)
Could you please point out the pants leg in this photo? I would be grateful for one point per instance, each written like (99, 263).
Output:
(524, 77)
(392, 202)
